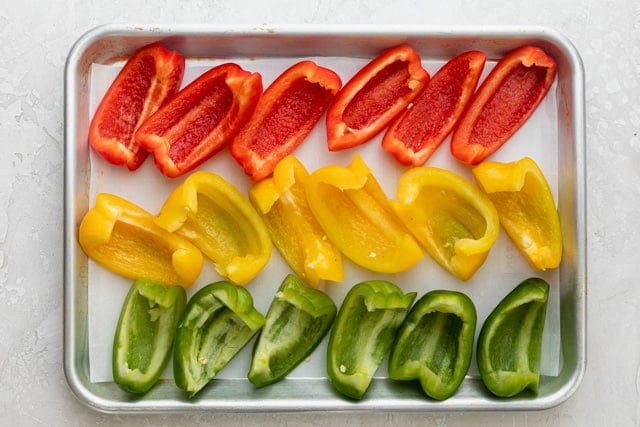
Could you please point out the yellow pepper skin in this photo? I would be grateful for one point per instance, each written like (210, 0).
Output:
(357, 216)
(451, 218)
(124, 238)
(216, 217)
(294, 231)
(527, 211)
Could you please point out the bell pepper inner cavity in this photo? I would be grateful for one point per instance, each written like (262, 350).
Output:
(451, 218)
(214, 107)
(441, 345)
(435, 343)
(137, 86)
(290, 114)
(518, 93)
(377, 96)
(415, 132)
(152, 255)
(217, 218)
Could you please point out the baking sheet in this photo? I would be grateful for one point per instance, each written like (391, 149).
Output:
(553, 136)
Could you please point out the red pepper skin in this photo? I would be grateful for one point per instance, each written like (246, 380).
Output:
(504, 101)
(200, 119)
(374, 96)
(149, 77)
(427, 121)
(288, 110)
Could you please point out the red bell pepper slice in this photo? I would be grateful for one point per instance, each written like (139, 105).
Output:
(200, 119)
(427, 121)
(504, 101)
(149, 77)
(374, 96)
(288, 110)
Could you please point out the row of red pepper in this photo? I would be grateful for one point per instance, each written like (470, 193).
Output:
(145, 111)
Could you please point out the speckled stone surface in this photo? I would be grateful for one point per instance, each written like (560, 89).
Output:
(36, 36)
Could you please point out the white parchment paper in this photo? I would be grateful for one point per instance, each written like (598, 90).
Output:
(503, 269)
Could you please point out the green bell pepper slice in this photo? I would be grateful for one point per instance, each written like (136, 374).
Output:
(510, 341)
(144, 334)
(362, 334)
(219, 320)
(435, 343)
(298, 319)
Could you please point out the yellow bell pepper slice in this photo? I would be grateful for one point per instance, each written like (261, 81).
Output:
(357, 216)
(527, 210)
(216, 217)
(124, 238)
(451, 218)
(295, 232)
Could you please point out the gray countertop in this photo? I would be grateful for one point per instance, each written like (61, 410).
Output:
(36, 38)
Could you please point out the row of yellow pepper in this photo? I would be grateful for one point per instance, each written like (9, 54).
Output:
(314, 219)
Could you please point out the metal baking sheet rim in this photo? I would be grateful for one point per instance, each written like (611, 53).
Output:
(316, 395)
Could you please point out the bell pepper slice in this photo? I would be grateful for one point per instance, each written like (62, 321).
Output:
(288, 110)
(217, 218)
(294, 231)
(504, 101)
(358, 218)
(298, 319)
(363, 333)
(374, 96)
(451, 218)
(219, 320)
(144, 335)
(201, 119)
(124, 238)
(435, 343)
(526, 208)
(149, 77)
(510, 340)
(425, 123)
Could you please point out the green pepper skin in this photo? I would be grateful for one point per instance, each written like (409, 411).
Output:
(219, 320)
(297, 320)
(435, 343)
(363, 333)
(510, 341)
(144, 334)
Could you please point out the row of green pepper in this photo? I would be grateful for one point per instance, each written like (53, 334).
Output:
(430, 341)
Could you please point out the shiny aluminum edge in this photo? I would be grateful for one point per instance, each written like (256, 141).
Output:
(316, 395)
